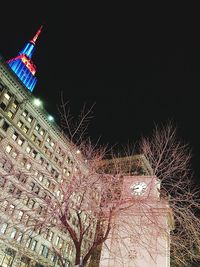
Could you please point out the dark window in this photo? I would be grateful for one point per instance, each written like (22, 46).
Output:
(5, 126)
(3, 106)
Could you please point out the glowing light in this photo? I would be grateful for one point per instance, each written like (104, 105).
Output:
(78, 151)
(37, 102)
(50, 118)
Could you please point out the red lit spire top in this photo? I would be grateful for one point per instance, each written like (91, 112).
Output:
(36, 35)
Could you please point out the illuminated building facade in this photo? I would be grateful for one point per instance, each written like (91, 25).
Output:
(35, 144)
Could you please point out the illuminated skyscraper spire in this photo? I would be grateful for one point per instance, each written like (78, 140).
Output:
(36, 35)
(22, 64)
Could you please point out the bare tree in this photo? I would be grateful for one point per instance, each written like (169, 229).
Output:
(170, 160)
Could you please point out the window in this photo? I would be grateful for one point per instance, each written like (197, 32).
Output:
(20, 141)
(33, 137)
(8, 148)
(7, 96)
(47, 183)
(57, 240)
(15, 104)
(10, 114)
(28, 166)
(20, 124)
(25, 129)
(30, 203)
(30, 119)
(11, 188)
(52, 144)
(48, 139)
(34, 154)
(5, 126)
(18, 193)
(3, 106)
(28, 149)
(11, 209)
(40, 177)
(38, 142)
(20, 215)
(41, 132)
(44, 251)
(28, 242)
(15, 136)
(4, 228)
(1, 87)
(50, 235)
(25, 113)
(14, 154)
(13, 233)
(4, 205)
(37, 127)
(33, 245)
(19, 237)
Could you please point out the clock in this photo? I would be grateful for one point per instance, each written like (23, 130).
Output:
(138, 188)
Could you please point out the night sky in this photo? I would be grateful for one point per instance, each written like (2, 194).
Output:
(138, 66)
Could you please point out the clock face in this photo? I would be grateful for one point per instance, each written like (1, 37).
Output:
(138, 188)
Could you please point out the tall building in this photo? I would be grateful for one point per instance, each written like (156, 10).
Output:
(36, 156)
(29, 141)
(23, 66)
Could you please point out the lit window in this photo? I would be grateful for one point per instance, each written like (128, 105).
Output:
(23, 162)
(20, 142)
(47, 183)
(33, 153)
(15, 104)
(28, 166)
(38, 142)
(19, 124)
(25, 129)
(28, 242)
(20, 214)
(33, 137)
(30, 119)
(37, 127)
(19, 237)
(10, 114)
(14, 154)
(3, 228)
(7, 95)
(48, 139)
(52, 144)
(40, 177)
(15, 136)
(50, 235)
(8, 148)
(42, 132)
(24, 113)
(57, 240)
(28, 149)
(44, 251)
(11, 209)
(33, 245)
(13, 233)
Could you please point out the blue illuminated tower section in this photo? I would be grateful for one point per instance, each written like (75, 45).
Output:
(23, 66)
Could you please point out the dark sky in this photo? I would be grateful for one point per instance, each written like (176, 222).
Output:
(139, 65)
